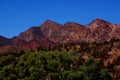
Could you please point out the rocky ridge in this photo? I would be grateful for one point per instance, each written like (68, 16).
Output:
(51, 33)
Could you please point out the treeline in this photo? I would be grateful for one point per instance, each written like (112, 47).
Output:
(51, 65)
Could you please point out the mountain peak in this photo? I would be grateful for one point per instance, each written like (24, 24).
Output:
(49, 25)
(72, 25)
(98, 21)
(49, 21)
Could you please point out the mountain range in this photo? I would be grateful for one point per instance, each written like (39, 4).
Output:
(51, 33)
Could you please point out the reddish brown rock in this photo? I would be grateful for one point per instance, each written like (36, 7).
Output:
(51, 33)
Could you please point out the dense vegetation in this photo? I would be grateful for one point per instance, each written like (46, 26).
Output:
(51, 65)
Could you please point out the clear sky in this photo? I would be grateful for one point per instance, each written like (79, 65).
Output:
(18, 15)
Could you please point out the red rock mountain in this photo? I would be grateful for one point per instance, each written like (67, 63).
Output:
(51, 33)
(32, 39)
(97, 31)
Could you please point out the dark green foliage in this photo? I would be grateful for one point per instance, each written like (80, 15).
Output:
(4, 60)
(104, 75)
(73, 75)
(92, 71)
(50, 65)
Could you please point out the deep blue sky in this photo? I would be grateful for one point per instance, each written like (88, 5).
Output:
(18, 15)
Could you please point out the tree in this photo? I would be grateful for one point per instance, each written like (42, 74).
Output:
(92, 71)
(72, 75)
(104, 75)
(5, 60)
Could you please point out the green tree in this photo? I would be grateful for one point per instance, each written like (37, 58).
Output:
(104, 75)
(72, 75)
(5, 60)
(92, 71)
